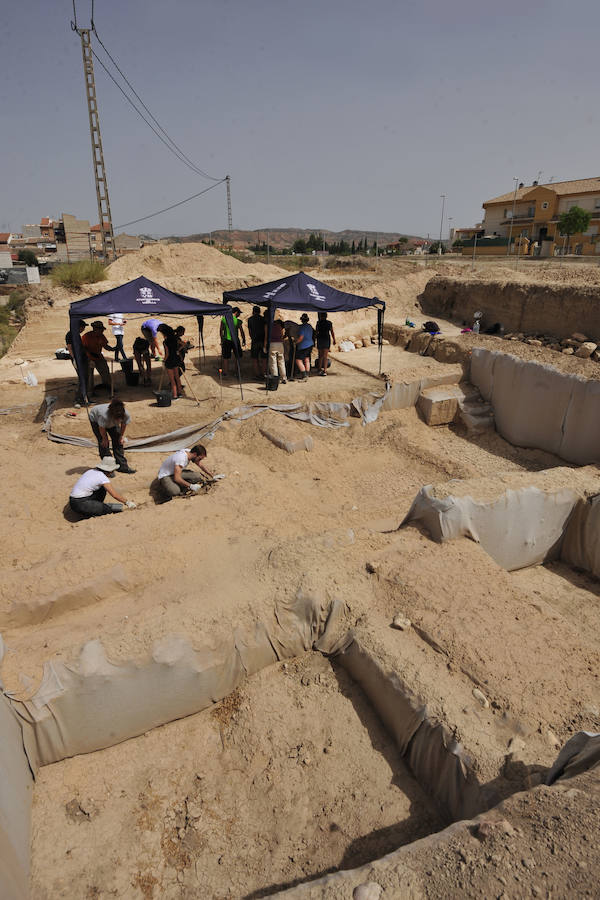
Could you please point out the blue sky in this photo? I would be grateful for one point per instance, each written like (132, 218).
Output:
(332, 114)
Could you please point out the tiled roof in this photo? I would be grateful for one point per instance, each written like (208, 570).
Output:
(97, 227)
(45, 222)
(562, 188)
(4, 236)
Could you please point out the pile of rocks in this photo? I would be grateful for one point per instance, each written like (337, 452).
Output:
(577, 345)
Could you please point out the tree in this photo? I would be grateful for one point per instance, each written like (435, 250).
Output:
(575, 221)
(436, 246)
(28, 257)
(299, 246)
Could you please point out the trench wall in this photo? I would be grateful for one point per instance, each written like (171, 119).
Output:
(555, 309)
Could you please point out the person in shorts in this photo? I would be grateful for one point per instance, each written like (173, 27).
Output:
(89, 491)
(172, 359)
(141, 353)
(304, 345)
(227, 345)
(150, 332)
(176, 478)
(325, 334)
(256, 330)
(94, 342)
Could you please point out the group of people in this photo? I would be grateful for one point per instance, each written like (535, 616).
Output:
(289, 341)
(145, 349)
(109, 422)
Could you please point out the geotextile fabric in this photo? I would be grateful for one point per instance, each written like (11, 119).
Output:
(535, 405)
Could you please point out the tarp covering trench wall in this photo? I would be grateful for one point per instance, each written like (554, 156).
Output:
(93, 703)
(537, 406)
(16, 792)
(520, 528)
(581, 546)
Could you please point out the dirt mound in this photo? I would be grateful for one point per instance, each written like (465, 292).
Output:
(157, 261)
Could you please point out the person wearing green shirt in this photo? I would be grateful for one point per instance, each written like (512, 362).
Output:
(227, 345)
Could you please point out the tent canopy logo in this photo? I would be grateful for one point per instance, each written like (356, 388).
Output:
(314, 292)
(146, 297)
(276, 290)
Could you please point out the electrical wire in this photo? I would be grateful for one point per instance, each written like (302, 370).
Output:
(167, 208)
(182, 155)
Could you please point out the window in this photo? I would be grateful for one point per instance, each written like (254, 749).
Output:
(525, 232)
(531, 211)
(597, 203)
(505, 216)
(545, 204)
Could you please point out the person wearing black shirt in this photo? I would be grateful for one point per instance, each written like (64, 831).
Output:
(172, 359)
(256, 329)
(69, 346)
(325, 334)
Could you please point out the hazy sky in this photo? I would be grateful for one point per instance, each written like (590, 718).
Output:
(330, 114)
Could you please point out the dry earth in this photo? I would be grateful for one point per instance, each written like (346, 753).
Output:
(274, 808)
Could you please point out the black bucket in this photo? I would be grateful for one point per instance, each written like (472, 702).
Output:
(163, 398)
(127, 366)
(132, 378)
(272, 382)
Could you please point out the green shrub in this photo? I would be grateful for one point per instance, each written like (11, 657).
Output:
(73, 275)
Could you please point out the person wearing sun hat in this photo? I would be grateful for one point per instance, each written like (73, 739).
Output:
(88, 492)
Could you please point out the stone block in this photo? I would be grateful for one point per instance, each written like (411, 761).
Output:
(286, 434)
(439, 405)
(586, 350)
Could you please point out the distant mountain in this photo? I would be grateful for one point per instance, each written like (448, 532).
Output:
(283, 238)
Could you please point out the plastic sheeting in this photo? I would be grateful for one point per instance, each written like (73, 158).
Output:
(581, 546)
(323, 413)
(537, 406)
(518, 529)
(435, 758)
(94, 703)
(579, 754)
(16, 789)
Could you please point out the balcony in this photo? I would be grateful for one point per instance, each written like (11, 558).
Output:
(519, 217)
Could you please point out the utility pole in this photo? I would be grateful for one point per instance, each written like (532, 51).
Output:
(229, 216)
(516, 181)
(443, 196)
(107, 234)
(268, 260)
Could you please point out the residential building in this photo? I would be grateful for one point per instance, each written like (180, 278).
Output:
(467, 234)
(76, 237)
(126, 243)
(533, 212)
(96, 240)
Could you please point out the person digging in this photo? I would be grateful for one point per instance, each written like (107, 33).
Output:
(174, 476)
(109, 420)
(89, 491)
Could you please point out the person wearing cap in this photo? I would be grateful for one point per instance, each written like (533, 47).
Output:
(175, 478)
(227, 345)
(69, 345)
(305, 342)
(89, 491)
(109, 420)
(94, 342)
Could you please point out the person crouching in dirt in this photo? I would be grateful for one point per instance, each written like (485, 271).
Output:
(111, 420)
(89, 491)
(141, 353)
(176, 478)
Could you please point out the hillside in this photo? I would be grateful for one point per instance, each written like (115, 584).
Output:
(283, 238)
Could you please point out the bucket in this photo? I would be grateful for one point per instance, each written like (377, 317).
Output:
(163, 398)
(127, 367)
(272, 382)
(132, 378)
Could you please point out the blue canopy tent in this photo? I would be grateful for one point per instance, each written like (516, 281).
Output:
(146, 297)
(300, 292)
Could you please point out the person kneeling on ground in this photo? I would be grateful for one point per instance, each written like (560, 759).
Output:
(89, 491)
(111, 420)
(174, 476)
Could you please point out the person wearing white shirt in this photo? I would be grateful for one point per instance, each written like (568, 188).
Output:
(174, 476)
(89, 491)
(117, 322)
(109, 420)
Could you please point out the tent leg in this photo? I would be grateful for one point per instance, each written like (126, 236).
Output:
(112, 379)
(187, 381)
(239, 372)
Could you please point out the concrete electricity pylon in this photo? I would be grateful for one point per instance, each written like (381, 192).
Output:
(229, 216)
(107, 234)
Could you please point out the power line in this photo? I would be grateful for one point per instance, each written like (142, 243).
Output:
(180, 153)
(167, 208)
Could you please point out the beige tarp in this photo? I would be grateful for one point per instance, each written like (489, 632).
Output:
(537, 406)
(16, 787)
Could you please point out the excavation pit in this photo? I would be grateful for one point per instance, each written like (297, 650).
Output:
(290, 777)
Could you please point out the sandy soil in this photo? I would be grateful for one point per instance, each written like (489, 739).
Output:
(528, 640)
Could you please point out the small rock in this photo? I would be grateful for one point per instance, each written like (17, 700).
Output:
(305, 680)
(534, 343)
(580, 338)
(552, 739)
(368, 890)
(568, 351)
(481, 698)
(19, 361)
(401, 623)
(515, 745)
(586, 350)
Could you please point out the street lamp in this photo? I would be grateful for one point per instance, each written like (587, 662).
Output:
(516, 181)
(443, 196)
(450, 232)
